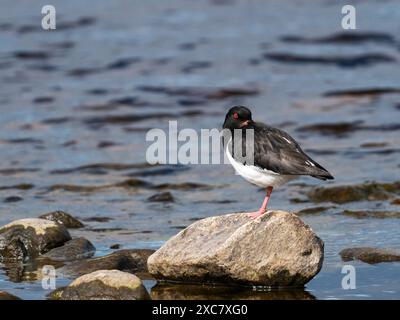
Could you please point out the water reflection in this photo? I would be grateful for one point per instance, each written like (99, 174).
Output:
(173, 291)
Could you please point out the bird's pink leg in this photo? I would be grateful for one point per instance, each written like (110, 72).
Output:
(263, 208)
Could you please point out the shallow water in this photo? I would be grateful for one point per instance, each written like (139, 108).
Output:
(57, 103)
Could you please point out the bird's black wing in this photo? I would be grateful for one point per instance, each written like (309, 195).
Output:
(277, 151)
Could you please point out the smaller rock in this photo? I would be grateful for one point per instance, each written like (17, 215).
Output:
(312, 210)
(64, 218)
(104, 285)
(97, 219)
(161, 197)
(396, 201)
(371, 214)
(75, 249)
(28, 238)
(7, 296)
(13, 199)
(115, 246)
(130, 260)
(370, 255)
(370, 191)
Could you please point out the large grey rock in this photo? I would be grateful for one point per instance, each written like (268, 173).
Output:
(276, 249)
(28, 238)
(104, 285)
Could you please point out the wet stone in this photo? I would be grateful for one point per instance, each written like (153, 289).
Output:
(75, 249)
(12, 171)
(218, 93)
(7, 296)
(28, 238)
(97, 219)
(31, 55)
(396, 201)
(107, 144)
(130, 260)
(13, 199)
(370, 255)
(161, 197)
(184, 186)
(313, 210)
(369, 191)
(362, 92)
(371, 214)
(123, 63)
(360, 60)
(63, 218)
(373, 145)
(348, 37)
(129, 183)
(339, 129)
(104, 285)
(103, 166)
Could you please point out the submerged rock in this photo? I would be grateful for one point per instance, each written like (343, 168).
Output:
(184, 186)
(370, 191)
(313, 210)
(7, 296)
(161, 197)
(64, 218)
(277, 250)
(372, 214)
(128, 184)
(104, 285)
(213, 94)
(28, 238)
(75, 249)
(344, 38)
(360, 60)
(396, 201)
(338, 129)
(13, 199)
(370, 255)
(130, 260)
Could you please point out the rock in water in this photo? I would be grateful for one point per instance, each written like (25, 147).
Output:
(64, 218)
(277, 250)
(130, 260)
(28, 238)
(75, 249)
(7, 296)
(104, 285)
(370, 255)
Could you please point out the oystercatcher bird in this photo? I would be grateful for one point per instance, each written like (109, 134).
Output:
(278, 158)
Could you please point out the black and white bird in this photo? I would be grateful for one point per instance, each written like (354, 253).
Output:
(277, 157)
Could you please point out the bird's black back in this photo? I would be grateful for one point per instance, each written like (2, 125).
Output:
(277, 151)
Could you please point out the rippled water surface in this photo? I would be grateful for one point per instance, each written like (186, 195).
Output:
(87, 93)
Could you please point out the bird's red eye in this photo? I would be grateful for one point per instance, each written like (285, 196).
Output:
(235, 115)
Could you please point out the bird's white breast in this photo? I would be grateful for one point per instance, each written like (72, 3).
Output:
(260, 177)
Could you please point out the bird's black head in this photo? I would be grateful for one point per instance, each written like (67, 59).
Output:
(237, 117)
